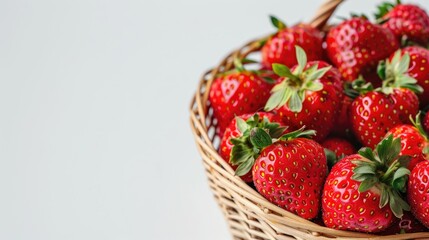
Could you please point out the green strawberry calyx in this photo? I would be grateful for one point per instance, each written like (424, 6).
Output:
(277, 23)
(292, 89)
(384, 8)
(256, 134)
(385, 170)
(417, 123)
(357, 87)
(395, 74)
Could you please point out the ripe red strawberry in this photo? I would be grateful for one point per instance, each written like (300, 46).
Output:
(280, 48)
(356, 45)
(418, 192)
(377, 111)
(414, 142)
(238, 92)
(290, 173)
(339, 146)
(372, 115)
(359, 188)
(309, 95)
(406, 224)
(238, 132)
(419, 70)
(405, 20)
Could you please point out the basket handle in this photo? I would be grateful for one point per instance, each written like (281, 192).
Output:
(324, 13)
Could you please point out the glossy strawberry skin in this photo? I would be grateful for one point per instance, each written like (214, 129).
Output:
(291, 174)
(339, 146)
(419, 69)
(406, 102)
(232, 131)
(319, 108)
(408, 20)
(280, 48)
(345, 208)
(237, 94)
(373, 114)
(412, 143)
(356, 46)
(418, 192)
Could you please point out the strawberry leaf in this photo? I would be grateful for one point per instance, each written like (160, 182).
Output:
(241, 124)
(318, 74)
(240, 153)
(280, 96)
(381, 69)
(269, 80)
(388, 149)
(331, 158)
(283, 71)
(367, 153)
(238, 65)
(383, 9)
(397, 204)
(367, 184)
(301, 57)
(364, 169)
(402, 66)
(245, 167)
(298, 133)
(314, 86)
(384, 196)
(400, 179)
(295, 103)
(277, 23)
(259, 138)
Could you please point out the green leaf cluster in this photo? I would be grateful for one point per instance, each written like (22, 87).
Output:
(256, 134)
(386, 170)
(292, 89)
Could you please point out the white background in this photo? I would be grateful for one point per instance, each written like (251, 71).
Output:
(95, 140)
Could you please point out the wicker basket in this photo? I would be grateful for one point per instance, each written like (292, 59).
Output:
(249, 215)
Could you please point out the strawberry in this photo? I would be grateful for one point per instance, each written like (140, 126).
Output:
(339, 146)
(414, 141)
(405, 20)
(237, 136)
(308, 95)
(235, 93)
(419, 70)
(376, 111)
(363, 191)
(290, 173)
(406, 224)
(418, 192)
(280, 48)
(356, 45)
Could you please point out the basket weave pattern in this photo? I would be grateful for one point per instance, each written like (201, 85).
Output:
(248, 214)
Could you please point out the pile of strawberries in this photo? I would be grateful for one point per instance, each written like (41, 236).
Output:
(292, 127)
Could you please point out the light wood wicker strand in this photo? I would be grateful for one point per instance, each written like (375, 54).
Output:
(248, 214)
